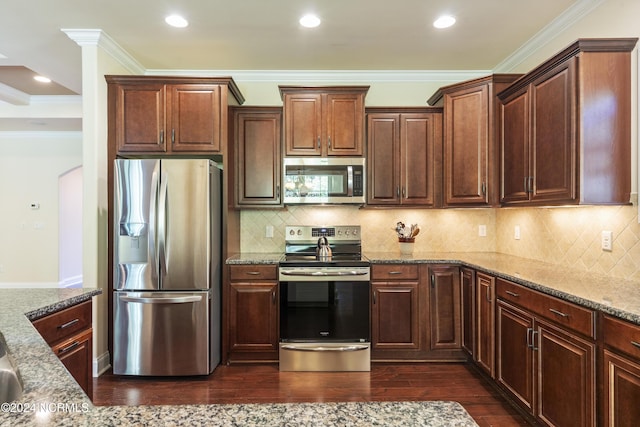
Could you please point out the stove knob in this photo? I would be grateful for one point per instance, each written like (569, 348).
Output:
(292, 232)
(299, 232)
(339, 232)
(346, 232)
(355, 232)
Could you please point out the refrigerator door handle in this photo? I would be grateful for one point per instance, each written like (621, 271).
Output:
(162, 225)
(153, 212)
(162, 300)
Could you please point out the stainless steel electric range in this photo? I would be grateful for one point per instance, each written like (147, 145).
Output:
(324, 300)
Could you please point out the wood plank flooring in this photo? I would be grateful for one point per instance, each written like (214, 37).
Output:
(266, 384)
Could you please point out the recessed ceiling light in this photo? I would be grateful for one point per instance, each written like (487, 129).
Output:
(309, 21)
(176, 21)
(444, 21)
(42, 79)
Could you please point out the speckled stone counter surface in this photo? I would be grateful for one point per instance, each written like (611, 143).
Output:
(618, 297)
(52, 397)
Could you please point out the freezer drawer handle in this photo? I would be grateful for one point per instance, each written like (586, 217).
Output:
(160, 300)
(321, 348)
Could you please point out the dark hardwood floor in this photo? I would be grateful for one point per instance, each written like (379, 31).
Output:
(266, 384)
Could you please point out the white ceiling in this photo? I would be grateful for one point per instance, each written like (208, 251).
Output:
(265, 35)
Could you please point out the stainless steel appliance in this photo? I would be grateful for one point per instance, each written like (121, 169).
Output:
(324, 301)
(166, 267)
(326, 180)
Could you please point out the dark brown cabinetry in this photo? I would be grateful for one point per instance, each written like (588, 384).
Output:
(397, 312)
(620, 373)
(485, 322)
(324, 121)
(445, 319)
(468, 288)
(159, 115)
(257, 152)
(252, 318)
(565, 133)
(545, 355)
(69, 333)
(404, 156)
(470, 133)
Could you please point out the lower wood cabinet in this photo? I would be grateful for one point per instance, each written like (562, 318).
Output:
(69, 333)
(620, 373)
(485, 322)
(445, 314)
(252, 323)
(548, 368)
(468, 288)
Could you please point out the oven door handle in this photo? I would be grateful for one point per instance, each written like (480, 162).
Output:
(322, 273)
(318, 348)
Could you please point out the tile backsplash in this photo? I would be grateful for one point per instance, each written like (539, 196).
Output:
(568, 236)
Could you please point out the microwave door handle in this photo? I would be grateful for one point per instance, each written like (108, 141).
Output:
(350, 181)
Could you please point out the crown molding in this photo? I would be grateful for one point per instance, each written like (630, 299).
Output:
(566, 19)
(96, 37)
(13, 96)
(329, 76)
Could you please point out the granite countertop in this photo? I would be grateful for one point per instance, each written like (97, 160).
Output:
(52, 397)
(614, 296)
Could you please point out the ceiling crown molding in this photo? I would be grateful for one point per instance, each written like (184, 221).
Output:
(13, 96)
(566, 19)
(96, 37)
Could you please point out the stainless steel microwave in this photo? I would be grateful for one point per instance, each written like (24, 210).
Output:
(324, 180)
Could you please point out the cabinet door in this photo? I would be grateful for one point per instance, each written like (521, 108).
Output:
(344, 124)
(303, 124)
(383, 159)
(621, 388)
(553, 135)
(253, 324)
(76, 355)
(194, 118)
(444, 308)
(466, 147)
(514, 140)
(417, 148)
(485, 320)
(140, 118)
(565, 373)
(258, 159)
(514, 353)
(468, 284)
(394, 317)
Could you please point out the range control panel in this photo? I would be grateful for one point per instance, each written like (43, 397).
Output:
(309, 232)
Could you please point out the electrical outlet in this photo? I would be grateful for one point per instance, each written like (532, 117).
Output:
(607, 241)
(269, 231)
(516, 232)
(482, 230)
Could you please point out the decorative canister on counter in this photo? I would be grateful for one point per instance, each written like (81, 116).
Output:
(406, 237)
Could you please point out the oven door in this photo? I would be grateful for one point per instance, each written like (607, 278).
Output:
(324, 310)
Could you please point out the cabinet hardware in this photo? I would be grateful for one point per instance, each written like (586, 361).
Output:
(318, 142)
(69, 347)
(484, 188)
(526, 184)
(277, 191)
(404, 193)
(635, 344)
(559, 313)
(529, 337)
(513, 294)
(534, 334)
(253, 273)
(329, 142)
(374, 297)
(433, 280)
(68, 324)
(173, 136)
(398, 191)
(273, 297)
(488, 294)
(530, 184)
(161, 136)
(395, 272)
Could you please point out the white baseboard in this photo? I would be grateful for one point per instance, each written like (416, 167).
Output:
(101, 364)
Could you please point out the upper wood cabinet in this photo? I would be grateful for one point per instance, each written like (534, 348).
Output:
(566, 128)
(470, 133)
(324, 121)
(258, 162)
(404, 155)
(161, 115)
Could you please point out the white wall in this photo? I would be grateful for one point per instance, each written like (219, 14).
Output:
(30, 164)
(70, 228)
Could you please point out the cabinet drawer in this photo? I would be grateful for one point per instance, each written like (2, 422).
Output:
(572, 316)
(394, 272)
(623, 336)
(65, 323)
(252, 272)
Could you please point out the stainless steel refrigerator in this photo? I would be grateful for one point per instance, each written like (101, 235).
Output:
(167, 264)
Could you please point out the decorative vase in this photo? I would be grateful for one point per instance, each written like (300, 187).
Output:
(406, 245)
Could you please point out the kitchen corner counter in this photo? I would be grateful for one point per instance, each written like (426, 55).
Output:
(46, 382)
(614, 296)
